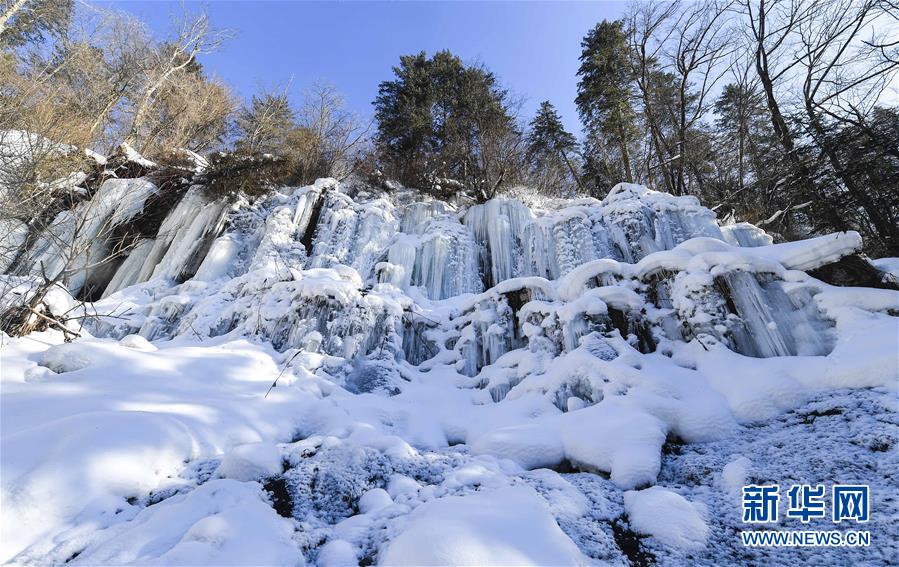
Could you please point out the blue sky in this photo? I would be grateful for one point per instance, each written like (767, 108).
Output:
(532, 46)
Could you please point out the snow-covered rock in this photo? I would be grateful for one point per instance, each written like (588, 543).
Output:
(667, 516)
(374, 500)
(510, 526)
(250, 461)
(222, 522)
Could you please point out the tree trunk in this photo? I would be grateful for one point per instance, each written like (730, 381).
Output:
(625, 156)
(574, 174)
(9, 13)
(681, 137)
(888, 232)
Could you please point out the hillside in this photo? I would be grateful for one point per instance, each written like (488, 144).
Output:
(541, 382)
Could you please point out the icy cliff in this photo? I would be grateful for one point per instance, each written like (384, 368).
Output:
(443, 373)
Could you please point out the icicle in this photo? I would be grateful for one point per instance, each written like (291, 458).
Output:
(416, 215)
(447, 262)
(773, 324)
(221, 257)
(129, 271)
(746, 235)
(352, 235)
(401, 262)
(12, 237)
(186, 235)
(77, 240)
(497, 226)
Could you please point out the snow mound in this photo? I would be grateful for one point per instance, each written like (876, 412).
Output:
(734, 476)
(251, 461)
(666, 516)
(222, 522)
(531, 446)
(612, 437)
(509, 526)
(66, 357)
(137, 342)
(82, 466)
(374, 500)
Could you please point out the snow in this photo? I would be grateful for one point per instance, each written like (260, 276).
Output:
(83, 467)
(815, 252)
(844, 436)
(530, 446)
(222, 522)
(65, 358)
(888, 265)
(250, 461)
(137, 342)
(667, 516)
(734, 476)
(746, 235)
(338, 553)
(123, 423)
(374, 500)
(132, 155)
(439, 371)
(509, 526)
(609, 437)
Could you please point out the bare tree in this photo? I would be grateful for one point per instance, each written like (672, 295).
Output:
(329, 135)
(846, 65)
(699, 46)
(194, 37)
(105, 77)
(772, 25)
(22, 21)
(648, 31)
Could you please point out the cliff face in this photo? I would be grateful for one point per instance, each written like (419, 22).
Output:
(429, 361)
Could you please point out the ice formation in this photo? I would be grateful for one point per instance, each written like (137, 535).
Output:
(430, 361)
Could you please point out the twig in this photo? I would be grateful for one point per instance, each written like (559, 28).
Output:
(54, 321)
(191, 325)
(705, 348)
(275, 383)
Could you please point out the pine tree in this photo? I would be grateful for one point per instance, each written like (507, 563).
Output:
(550, 146)
(403, 111)
(441, 123)
(751, 166)
(604, 102)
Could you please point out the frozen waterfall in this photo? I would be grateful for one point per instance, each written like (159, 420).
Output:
(316, 269)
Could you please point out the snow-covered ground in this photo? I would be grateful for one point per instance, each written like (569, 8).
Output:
(587, 382)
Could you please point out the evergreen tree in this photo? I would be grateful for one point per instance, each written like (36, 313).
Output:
(604, 103)
(403, 111)
(442, 123)
(750, 166)
(549, 148)
(868, 148)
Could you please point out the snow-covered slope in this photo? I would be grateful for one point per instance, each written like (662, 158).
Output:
(496, 383)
